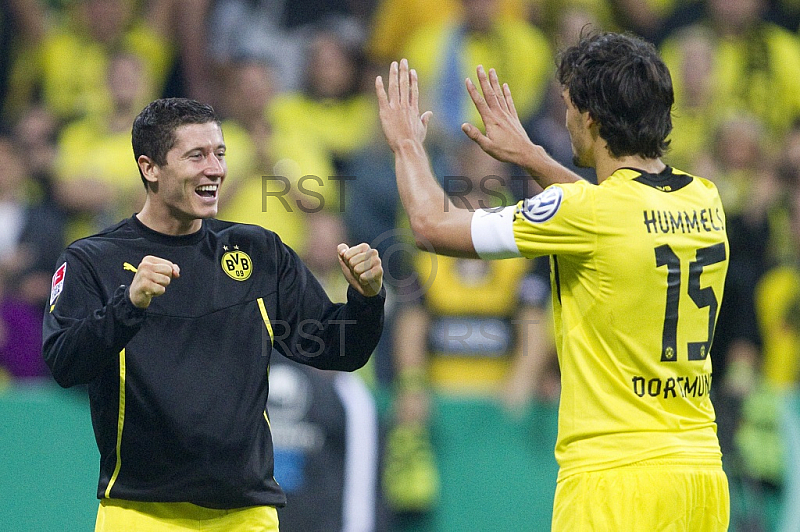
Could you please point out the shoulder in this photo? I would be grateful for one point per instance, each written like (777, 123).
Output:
(89, 253)
(701, 184)
(218, 226)
(120, 231)
(225, 230)
(572, 204)
(555, 198)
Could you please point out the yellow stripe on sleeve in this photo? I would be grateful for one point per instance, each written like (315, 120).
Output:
(265, 317)
(120, 422)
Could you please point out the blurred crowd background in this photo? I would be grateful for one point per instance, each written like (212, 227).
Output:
(294, 85)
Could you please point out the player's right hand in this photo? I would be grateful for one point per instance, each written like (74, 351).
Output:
(153, 275)
(398, 106)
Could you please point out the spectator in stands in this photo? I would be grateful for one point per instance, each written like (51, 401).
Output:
(260, 192)
(273, 31)
(36, 133)
(446, 53)
(739, 164)
(318, 129)
(754, 67)
(655, 19)
(21, 26)
(394, 21)
(692, 53)
(95, 182)
(546, 127)
(70, 62)
(29, 243)
(325, 437)
(778, 292)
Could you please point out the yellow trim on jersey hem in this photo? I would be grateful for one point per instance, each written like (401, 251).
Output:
(125, 515)
(120, 422)
(265, 317)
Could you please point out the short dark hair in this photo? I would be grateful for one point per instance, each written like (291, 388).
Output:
(625, 86)
(153, 132)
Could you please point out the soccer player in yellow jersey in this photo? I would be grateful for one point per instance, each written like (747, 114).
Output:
(638, 262)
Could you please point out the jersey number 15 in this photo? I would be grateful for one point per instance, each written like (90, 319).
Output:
(702, 297)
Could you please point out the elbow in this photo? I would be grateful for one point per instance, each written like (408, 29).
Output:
(424, 231)
(64, 378)
(64, 381)
(58, 369)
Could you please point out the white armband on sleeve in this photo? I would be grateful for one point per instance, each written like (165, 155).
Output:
(493, 233)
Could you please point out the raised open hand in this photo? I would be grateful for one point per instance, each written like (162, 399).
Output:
(399, 106)
(505, 138)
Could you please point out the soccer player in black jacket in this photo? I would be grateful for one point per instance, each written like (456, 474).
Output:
(170, 318)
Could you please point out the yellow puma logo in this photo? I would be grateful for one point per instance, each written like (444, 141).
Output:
(129, 267)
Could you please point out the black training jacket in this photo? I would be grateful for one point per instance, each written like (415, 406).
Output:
(178, 391)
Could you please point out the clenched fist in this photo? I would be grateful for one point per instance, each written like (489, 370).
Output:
(362, 268)
(151, 280)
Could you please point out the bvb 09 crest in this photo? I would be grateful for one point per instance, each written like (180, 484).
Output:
(237, 264)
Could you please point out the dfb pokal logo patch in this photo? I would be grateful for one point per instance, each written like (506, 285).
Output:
(544, 206)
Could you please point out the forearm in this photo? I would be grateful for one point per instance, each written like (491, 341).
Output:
(423, 198)
(78, 352)
(346, 338)
(543, 168)
(437, 224)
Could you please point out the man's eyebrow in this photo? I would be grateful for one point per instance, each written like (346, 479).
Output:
(220, 146)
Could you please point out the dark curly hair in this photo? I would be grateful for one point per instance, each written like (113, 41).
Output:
(625, 86)
(153, 132)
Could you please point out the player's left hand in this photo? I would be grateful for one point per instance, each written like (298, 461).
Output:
(505, 139)
(362, 268)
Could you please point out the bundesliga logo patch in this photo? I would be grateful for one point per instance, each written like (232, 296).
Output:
(541, 208)
(58, 282)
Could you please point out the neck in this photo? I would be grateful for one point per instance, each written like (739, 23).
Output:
(165, 222)
(609, 165)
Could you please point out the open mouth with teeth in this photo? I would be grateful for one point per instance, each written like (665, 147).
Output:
(207, 191)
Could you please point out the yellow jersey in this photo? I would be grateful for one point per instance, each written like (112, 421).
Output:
(473, 329)
(638, 269)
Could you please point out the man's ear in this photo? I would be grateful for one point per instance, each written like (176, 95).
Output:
(149, 168)
(592, 125)
(589, 120)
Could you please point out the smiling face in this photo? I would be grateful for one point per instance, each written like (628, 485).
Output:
(185, 190)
